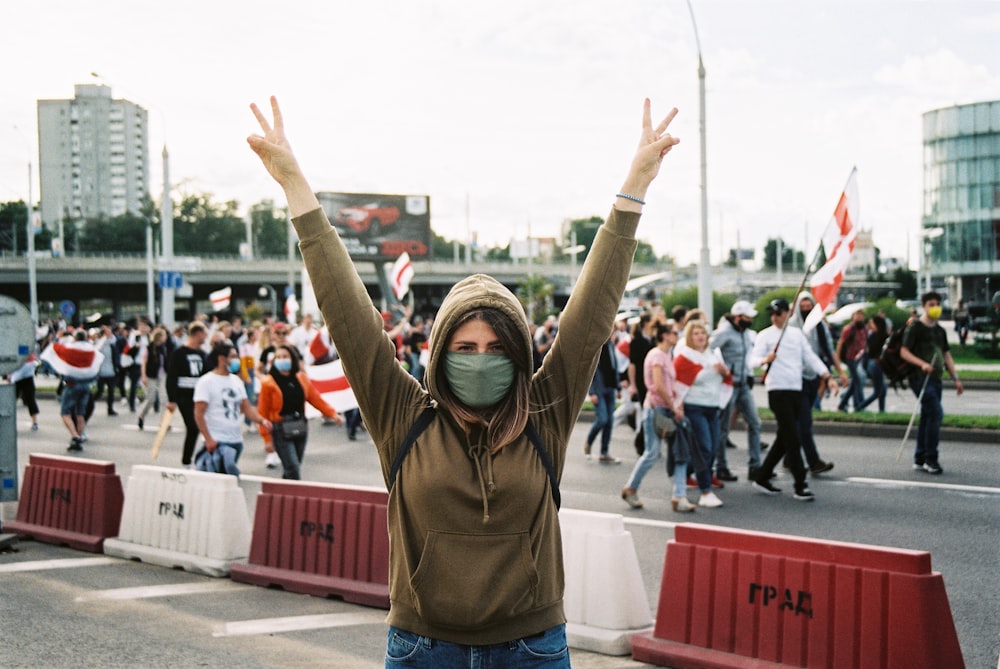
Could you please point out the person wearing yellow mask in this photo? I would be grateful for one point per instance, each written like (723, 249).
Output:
(925, 345)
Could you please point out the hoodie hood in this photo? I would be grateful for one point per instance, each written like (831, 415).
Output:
(478, 291)
(795, 318)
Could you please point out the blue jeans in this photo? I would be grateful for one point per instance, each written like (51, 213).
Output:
(705, 428)
(856, 391)
(878, 385)
(650, 454)
(742, 401)
(547, 650)
(931, 413)
(604, 413)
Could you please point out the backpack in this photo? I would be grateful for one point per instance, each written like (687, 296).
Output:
(424, 420)
(896, 370)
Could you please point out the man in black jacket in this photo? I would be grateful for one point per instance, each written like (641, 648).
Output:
(184, 366)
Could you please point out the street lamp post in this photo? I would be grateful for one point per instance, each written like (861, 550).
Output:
(266, 290)
(32, 273)
(704, 263)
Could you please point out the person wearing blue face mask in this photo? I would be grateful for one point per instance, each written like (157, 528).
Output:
(475, 557)
(282, 400)
(220, 397)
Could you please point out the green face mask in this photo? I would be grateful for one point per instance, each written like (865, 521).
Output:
(478, 379)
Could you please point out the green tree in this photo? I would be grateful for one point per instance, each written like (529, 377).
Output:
(790, 257)
(202, 226)
(535, 295)
(121, 234)
(270, 230)
(907, 280)
(688, 297)
(13, 225)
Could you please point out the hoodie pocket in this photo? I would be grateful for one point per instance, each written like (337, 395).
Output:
(469, 581)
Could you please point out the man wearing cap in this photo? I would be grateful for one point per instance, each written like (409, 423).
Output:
(734, 340)
(786, 352)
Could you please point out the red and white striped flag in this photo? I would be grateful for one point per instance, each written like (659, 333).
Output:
(291, 308)
(221, 298)
(330, 382)
(838, 243)
(687, 371)
(321, 347)
(401, 274)
(74, 359)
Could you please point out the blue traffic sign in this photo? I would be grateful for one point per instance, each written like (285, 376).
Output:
(67, 308)
(171, 279)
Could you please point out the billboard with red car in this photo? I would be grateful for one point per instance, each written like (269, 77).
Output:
(378, 226)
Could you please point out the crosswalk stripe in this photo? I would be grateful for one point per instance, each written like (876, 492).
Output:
(68, 563)
(896, 483)
(146, 592)
(297, 623)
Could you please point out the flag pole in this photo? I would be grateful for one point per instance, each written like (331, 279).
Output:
(809, 269)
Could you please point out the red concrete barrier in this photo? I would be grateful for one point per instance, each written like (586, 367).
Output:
(321, 540)
(69, 501)
(734, 598)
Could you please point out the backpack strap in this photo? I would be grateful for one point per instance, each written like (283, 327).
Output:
(418, 427)
(424, 420)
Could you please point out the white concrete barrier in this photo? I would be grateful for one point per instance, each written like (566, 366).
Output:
(181, 518)
(605, 597)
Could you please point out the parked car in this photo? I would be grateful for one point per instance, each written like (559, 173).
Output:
(368, 219)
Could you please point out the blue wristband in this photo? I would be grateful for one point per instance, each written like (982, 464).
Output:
(630, 197)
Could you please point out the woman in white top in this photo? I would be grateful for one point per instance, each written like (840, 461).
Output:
(700, 374)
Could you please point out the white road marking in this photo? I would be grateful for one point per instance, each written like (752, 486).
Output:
(146, 592)
(664, 524)
(68, 563)
(297, 623)
(896, 483)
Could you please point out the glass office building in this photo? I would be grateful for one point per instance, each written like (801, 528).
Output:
(961, 213)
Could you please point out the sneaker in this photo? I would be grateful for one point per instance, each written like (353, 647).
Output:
(610, 460)
(272, 460)
(820, 467)
(691, 482)
(682, 505)
(724, 474)
(141, 422)
(112, 412)
(74, 444)
(631, 498)
(765, 487)
(34, 427)
(804, 494)
(716, 483)
(709, 500)
(586, 449)
(84, 438)
(918, 464)
(933, 468)
(730, 444)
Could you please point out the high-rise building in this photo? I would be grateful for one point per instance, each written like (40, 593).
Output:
(93, 155)
(960, 236)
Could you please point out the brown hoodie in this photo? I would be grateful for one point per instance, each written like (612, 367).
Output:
(475, 549)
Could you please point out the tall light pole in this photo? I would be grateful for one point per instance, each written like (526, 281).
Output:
(30, 245)
(925, 236)
(704, 263)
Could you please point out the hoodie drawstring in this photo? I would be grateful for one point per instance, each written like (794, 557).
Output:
(486, 485)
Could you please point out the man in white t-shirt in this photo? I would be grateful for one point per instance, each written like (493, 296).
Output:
(302, 336)
(220, 397)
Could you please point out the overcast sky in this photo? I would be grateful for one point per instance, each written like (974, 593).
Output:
(528, 109)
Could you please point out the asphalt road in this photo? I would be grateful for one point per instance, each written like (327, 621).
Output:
(65, 608)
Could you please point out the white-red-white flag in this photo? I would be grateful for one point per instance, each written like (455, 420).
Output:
(688, 369)
(291, 308)
(321, 347)
(221, 298)
(330, 382)
(838, 243)
(77, 360)
(401, 274)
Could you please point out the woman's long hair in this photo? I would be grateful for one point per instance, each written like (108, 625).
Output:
(506, 420)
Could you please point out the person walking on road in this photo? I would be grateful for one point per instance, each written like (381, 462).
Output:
(878, 332)
(475, 558)
(925, 345)
(220, 399)
(153, 365)
(658, 371)
(23, 379)
(850, 351)
(604, 389)
(733, 339)
(786, 353)
(819, 338)
(184, 366)
(283, 396)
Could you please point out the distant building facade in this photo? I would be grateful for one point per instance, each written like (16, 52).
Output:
(93, 155)
(962, 199)
(864, 261)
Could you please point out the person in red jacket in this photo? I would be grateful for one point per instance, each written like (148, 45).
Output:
(284, 392)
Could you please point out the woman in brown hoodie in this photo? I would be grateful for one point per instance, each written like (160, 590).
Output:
(475, 551)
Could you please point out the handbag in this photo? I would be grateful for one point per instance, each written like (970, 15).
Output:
(664, 424)
(294, 426)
